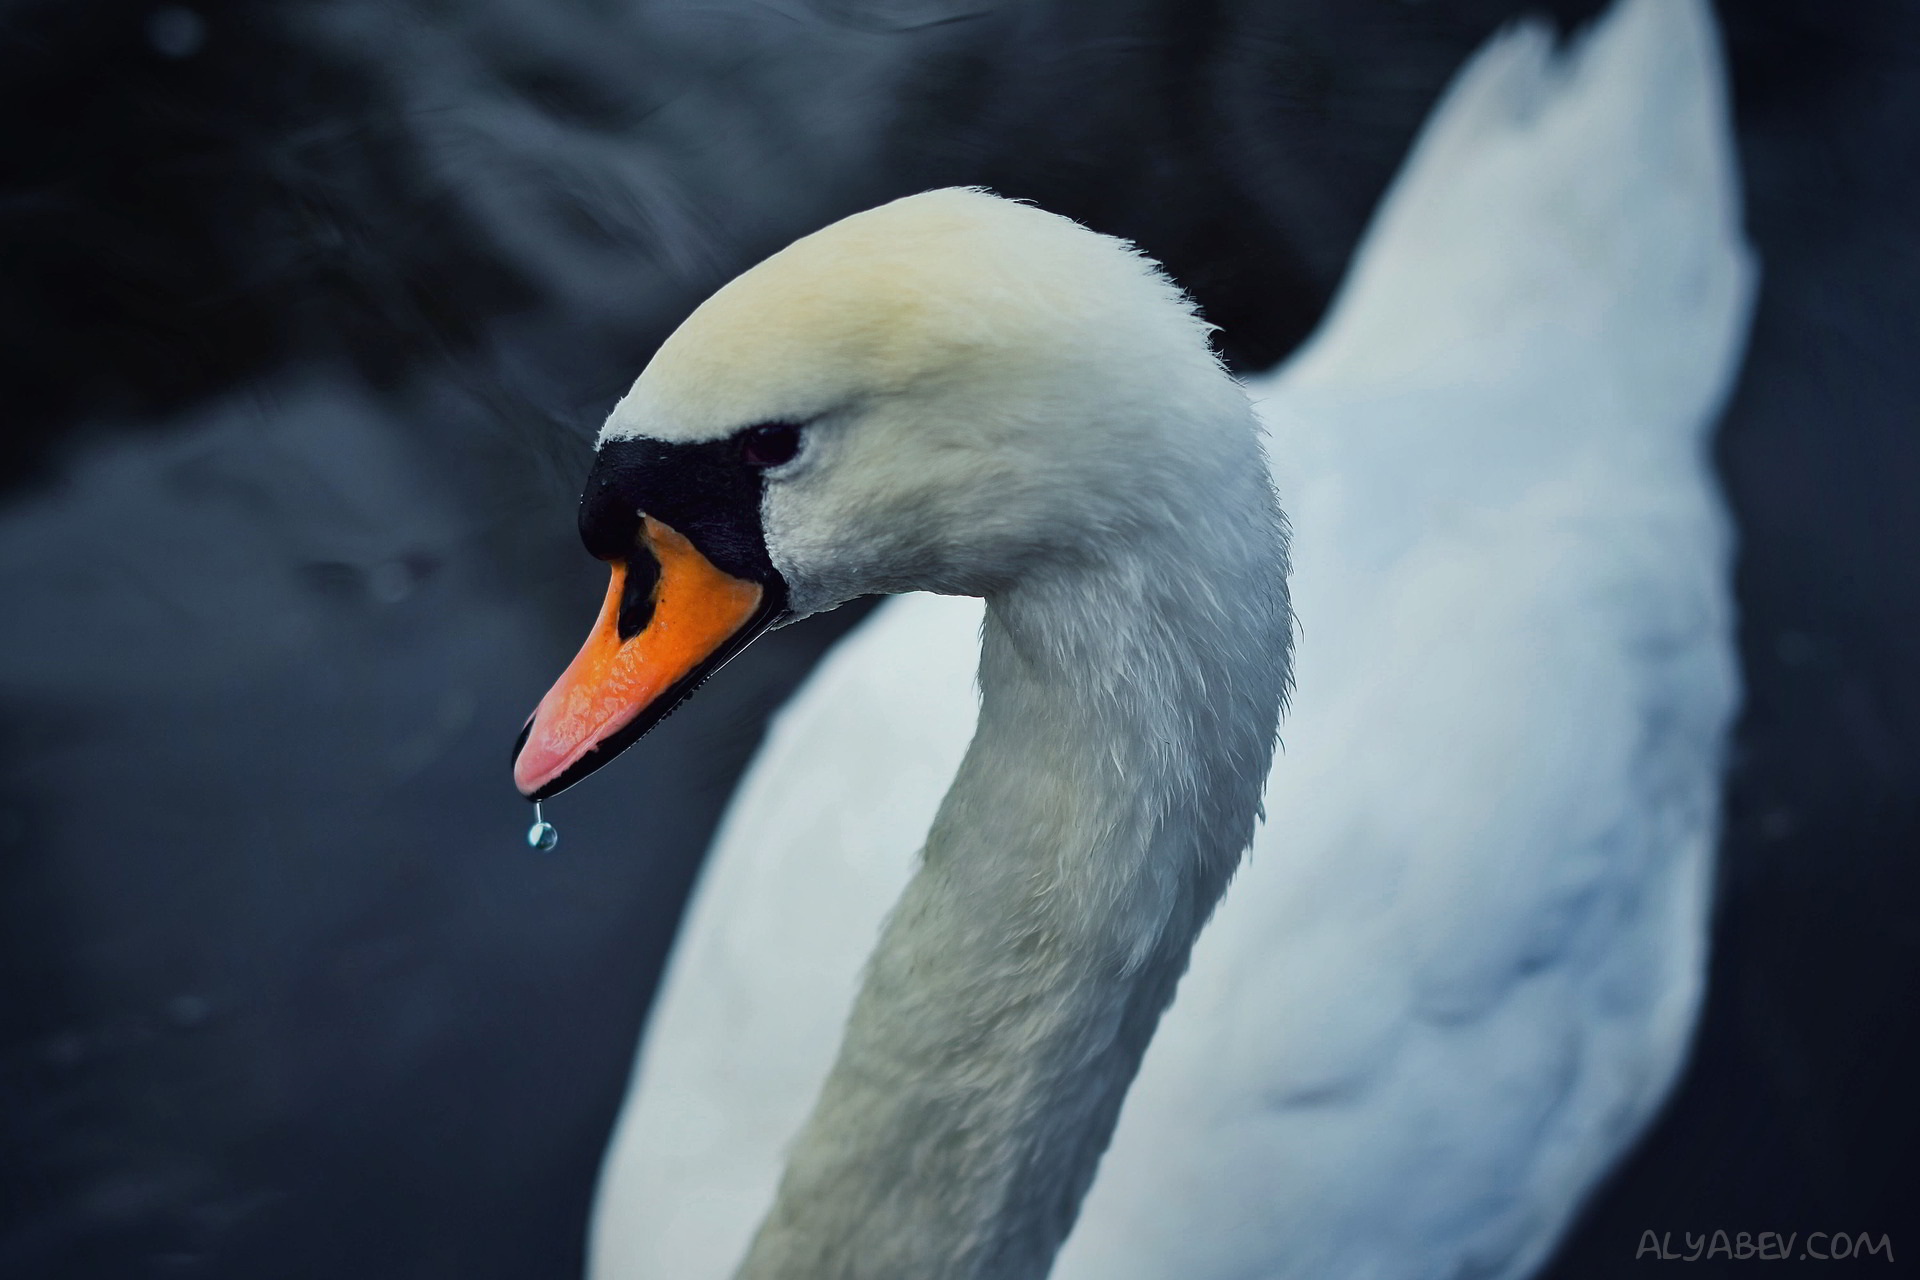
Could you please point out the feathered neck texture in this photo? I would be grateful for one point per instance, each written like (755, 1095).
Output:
(1129, 704)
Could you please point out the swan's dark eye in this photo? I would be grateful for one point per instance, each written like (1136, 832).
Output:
(769, 445)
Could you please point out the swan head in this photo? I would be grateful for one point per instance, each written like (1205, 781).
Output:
(949, 393)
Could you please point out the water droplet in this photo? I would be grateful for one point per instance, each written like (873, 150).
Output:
(541, 835)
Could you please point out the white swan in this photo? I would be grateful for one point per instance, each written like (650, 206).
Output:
(1459, 973)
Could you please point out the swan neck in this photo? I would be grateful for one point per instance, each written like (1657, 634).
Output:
(1128, 711)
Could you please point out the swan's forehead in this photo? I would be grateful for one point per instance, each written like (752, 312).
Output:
(868, 307)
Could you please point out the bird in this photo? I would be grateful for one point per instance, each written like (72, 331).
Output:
(1457, 973)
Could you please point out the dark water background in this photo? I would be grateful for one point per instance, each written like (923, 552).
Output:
(308, 312)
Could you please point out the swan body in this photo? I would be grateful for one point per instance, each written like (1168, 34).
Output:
(1459, 971)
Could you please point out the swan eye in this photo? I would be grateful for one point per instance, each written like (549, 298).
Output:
(769, 445)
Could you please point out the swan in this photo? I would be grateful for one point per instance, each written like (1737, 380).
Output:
(960, 393)
(1459, 972)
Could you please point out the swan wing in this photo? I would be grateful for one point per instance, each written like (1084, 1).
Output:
(1459, 971)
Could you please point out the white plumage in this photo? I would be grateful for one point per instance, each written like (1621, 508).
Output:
(1458, 974)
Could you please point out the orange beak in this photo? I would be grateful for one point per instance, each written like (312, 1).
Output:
(650, 647)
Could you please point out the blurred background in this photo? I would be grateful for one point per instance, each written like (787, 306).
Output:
(311, 309)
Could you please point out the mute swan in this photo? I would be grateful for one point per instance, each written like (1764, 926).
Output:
(962, 393)
(1459, 972)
